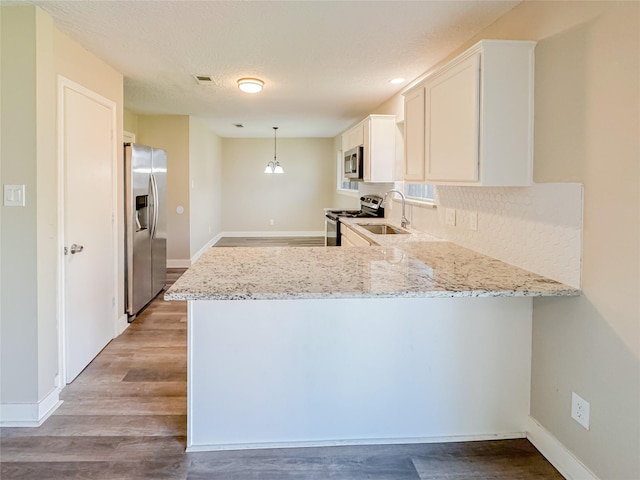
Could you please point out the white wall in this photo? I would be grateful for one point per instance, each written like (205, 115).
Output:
(205, 197)
(294, 200)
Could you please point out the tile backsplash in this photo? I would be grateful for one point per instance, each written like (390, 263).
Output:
(538, 228)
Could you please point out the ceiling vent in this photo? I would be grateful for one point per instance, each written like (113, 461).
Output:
(203, 79)
(238, 125)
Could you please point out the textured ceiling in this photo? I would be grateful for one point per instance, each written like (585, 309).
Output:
(325, 64)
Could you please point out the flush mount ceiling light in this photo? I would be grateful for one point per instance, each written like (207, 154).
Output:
(397, 81)
(250, 85)
(274, 166)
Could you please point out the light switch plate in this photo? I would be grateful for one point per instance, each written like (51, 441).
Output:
(14, 196)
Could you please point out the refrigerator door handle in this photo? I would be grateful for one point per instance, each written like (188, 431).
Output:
(154, 192)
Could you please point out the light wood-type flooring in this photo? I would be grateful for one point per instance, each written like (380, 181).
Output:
(124, 417)
(270, 242)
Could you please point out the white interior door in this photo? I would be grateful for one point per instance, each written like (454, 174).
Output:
(88, 156)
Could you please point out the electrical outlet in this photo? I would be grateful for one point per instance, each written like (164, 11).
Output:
(272, 222)
(580, 410)
(450, 216)
(473, 221)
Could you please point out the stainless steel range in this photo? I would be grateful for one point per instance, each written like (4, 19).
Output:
(370, 206)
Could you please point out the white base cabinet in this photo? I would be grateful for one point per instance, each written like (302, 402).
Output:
(350, 238)
(304, 372)
(471, 121)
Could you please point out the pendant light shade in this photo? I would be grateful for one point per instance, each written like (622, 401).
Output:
(274, 166)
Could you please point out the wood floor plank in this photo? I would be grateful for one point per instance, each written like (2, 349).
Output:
(124, 417)
(133, 406)
(126, 389)
(141, 470)
(270, 242)
(104, 425)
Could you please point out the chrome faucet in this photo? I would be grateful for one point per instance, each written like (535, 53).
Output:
(403, 221)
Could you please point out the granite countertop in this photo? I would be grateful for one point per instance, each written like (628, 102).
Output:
(417, 265)
(400, 240)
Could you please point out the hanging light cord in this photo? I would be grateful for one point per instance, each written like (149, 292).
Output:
(275, 144)
(274, 166)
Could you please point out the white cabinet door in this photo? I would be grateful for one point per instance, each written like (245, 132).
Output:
(414, 136)
(377, 134)
(353, 137)
(379, 148)
(355, 240)
(452, 123)
(477, 120)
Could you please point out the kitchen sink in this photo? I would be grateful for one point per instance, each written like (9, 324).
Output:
(382, 229)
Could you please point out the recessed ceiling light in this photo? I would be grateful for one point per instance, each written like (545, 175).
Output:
(396, 81)
(250, 85)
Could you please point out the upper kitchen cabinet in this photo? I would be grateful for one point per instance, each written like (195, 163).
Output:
(471, 122)
(353, 137)
(377, 134)
(414, 135)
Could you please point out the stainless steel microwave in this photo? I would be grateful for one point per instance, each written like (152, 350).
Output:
(352, 166)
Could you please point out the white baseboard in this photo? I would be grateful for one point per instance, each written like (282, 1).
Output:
(206, 247)
(360, 442)
(558, 455)
(286, 233)
(29, 414)
(122, 325)
(178, 263)
(186, 263)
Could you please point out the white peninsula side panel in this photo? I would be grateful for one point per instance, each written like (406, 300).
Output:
(274, 373)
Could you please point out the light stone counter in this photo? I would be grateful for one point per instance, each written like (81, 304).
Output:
(418, 266)
(400, 240)
(351, 345)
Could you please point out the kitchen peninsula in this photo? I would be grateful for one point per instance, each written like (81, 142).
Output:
(416, 342)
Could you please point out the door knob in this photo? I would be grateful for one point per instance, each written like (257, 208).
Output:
(76, 248)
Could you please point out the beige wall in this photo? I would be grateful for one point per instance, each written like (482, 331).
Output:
(205, 171)
(79, 65)
(171, 133)
(294, 200)
(587, 130)
(194, 179)
(33, 54)
(130, 121)
(23, 67)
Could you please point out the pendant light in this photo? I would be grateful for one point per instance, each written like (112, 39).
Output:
(274, 166)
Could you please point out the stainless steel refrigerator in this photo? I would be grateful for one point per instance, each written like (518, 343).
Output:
(146, 224)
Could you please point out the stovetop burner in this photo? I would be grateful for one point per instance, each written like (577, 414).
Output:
(346, 213)
(371, 206)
